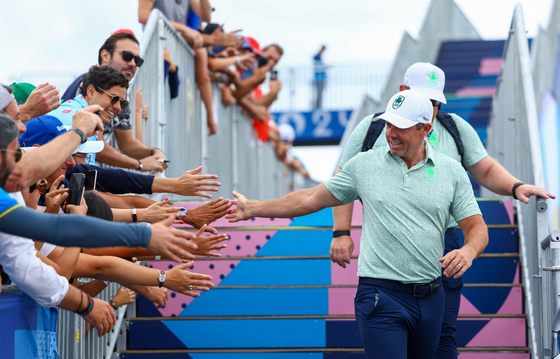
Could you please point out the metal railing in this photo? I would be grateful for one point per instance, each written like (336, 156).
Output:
(514, 140)
(178, 126)
(71, 332)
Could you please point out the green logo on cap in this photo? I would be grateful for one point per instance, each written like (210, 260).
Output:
(398, 102)
(433, 138)
(431, 174)
(432, 78)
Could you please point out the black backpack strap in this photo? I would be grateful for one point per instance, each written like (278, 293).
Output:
(375, 129)
(449, 123)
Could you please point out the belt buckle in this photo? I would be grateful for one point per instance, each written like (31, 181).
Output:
(414, 291)
(434, 287)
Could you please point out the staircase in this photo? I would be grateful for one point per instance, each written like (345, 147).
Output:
(278, 295)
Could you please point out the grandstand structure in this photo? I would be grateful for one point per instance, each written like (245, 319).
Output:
(277, 294)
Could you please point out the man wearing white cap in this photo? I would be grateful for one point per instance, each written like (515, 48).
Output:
(456, 138)
(408, 191)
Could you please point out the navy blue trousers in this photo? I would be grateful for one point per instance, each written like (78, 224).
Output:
(397, 325)
(447, 345)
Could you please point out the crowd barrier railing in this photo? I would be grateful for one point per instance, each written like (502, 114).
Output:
(178, 126)
(514, 140)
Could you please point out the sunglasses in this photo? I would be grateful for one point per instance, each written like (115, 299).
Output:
(436, 103)
(18, 152)
(128, 56)
(114, 98)
(41, 186)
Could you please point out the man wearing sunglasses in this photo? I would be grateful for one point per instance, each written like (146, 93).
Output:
(430, 80)
(121, 51)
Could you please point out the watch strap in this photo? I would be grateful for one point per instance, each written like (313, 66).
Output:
(140, 165)
(340, 233)
(161, 282)
(515, 188)
(134, 216)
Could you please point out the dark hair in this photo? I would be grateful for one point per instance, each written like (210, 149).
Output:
(277, 47)
(8, 130)
(9, 88)
(109, 44)
(103, 77)
(97, 206)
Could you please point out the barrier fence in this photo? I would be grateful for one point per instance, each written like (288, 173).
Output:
(514, 140)
(178, 126)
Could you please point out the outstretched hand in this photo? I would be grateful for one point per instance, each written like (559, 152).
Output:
(171, 242)
(527, 190)
(207, 244)
(179, 280)
(241, 210)
(192, 184)
(208, 213)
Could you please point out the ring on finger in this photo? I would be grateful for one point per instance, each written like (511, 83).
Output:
(190, 288)
(460, 266)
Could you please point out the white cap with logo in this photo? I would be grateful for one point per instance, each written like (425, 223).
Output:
(426, 78)
(408, 108)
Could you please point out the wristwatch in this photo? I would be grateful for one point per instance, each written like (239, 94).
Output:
(161, 278)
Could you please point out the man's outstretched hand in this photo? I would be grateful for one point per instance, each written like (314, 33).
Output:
(241, 210)
(171, 242)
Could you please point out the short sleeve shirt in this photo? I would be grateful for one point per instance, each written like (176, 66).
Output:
(7, 203)
(174, 10)
(66, 111)
(439, 138)
(405, 211)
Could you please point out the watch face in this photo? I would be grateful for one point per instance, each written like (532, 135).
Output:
(161, 278)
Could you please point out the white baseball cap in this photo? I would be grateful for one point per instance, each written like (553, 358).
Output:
(426, 78)
(287, 133)
(408, 108)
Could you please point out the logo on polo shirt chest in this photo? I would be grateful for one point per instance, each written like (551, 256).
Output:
(430, 174)
(432, 78)
(398, 102)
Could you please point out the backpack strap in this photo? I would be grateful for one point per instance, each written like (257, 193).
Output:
(449, 123)
(375, 129)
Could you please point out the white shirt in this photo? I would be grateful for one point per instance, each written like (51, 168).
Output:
(19, 259)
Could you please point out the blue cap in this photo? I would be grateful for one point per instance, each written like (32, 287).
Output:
(42, 130)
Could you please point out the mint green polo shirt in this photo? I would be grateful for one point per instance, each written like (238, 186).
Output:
(440, 139)
(405, 211)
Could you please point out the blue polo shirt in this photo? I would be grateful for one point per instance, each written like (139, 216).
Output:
(65, 112)
(7, 203)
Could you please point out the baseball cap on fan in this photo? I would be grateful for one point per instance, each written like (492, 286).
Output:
(426, 78)
(408, 108)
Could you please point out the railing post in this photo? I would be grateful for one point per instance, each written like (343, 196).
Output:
(234, 150)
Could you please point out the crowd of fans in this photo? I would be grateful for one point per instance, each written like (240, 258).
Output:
(48, 138)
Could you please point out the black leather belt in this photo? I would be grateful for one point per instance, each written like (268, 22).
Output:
(417, 290)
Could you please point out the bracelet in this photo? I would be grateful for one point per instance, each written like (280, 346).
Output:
(515, 188)
(134, 216)
(237, 60)
(113, 304)
(89, 308)
(80, 133)
(81, 301)
(153, 150)
(137, 110)
(140, 165)
(340, 233)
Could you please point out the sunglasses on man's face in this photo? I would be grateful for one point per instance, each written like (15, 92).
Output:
(436, 103)
(18, 152)
(115, 98)
(128, 56)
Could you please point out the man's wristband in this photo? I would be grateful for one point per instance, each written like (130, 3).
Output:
(80, 133)
(113, 304)
(340, 233)
(89, 307)
(515, 188)
(134, 216)
(153, 150)
(140, 165)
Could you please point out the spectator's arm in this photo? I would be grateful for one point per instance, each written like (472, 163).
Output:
(202, 8)
(46, 159)
(252, 82)
(138, 104)
(221, 64)
(189, 184)
(126, 202)
(269, 98)
(255, 111)
(115, 180)
(41, 101)
(94, 287)
(144, 10)
(126, 273)
(66, 258)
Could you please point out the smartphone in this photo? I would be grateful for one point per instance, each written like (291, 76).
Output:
(274, 75)
(262, 61)
(76, 189)
(91, 180)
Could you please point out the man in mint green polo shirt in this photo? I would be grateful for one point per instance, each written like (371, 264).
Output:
(409, 192)
(430, 80)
